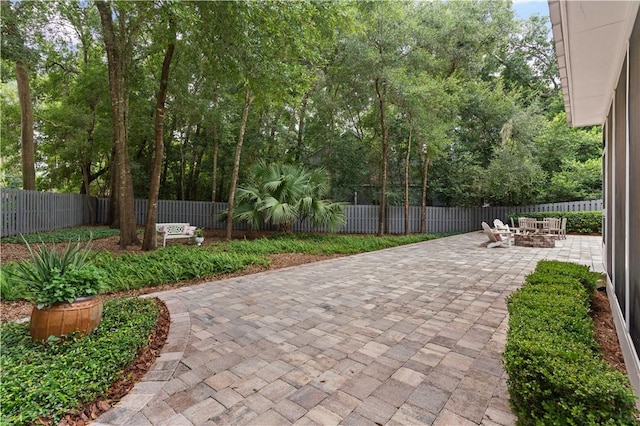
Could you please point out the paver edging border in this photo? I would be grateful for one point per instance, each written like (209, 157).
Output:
(162, 369)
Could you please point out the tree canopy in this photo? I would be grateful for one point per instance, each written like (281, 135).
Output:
(446, 102)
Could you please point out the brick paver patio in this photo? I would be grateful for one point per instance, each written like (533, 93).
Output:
(405, 336)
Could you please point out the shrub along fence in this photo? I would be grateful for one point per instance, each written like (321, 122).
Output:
(25, 212)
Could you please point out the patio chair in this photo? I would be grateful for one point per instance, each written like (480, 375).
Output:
(495, 238)
(563, 228)
(527, 225)
(553, 226)
(498, 224)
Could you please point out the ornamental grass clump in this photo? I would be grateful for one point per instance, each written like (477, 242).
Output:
(54, 276)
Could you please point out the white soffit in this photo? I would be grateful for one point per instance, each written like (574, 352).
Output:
(591, 41)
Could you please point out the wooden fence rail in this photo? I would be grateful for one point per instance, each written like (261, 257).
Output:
(25, 212)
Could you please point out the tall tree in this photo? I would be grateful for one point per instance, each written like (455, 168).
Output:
(119, 44)
(15, 16)
(248, 100)
(154, 188)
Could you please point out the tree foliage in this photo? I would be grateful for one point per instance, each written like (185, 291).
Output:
(443, 102)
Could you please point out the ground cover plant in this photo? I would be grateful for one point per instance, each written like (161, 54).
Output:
(169, 265)
(556, 374)
(182, 262)
(322, 243)
(64, 235)
(47, 381)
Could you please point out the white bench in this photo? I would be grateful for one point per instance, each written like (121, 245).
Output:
(170, 231)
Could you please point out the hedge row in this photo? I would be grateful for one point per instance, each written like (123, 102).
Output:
(588, 222)
(556, 374)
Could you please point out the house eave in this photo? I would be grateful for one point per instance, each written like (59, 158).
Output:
(590, 41)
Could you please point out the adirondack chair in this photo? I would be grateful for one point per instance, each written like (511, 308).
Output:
(495, 238)
(503, 229)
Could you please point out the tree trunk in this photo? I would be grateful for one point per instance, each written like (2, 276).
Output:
(303, 111)
(406, 186)
(117, 65)
(154, 187)
(165, 165)
(86, 169)
(216, 145)
(183, 164)
(113, 217)
(382, 213)
(214, 179)
(423, 196)
(236, 161)
(26, 127)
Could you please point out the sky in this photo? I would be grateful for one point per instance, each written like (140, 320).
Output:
(525, 8)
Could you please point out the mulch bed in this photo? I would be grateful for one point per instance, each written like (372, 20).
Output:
(606, 330)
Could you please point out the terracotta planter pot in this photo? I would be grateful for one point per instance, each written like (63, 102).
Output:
(83, 315)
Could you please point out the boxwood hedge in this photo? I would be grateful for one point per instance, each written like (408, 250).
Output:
(555, 373)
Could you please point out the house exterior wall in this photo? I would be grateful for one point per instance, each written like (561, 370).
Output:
(634, 185)
(622, 204)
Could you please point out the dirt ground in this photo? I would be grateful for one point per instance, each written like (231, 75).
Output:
(601, 312)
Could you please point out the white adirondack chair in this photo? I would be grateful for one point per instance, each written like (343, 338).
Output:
(495, 237)
(503, 229)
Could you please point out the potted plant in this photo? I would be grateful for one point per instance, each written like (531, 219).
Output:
(64, 286)
(198, 236)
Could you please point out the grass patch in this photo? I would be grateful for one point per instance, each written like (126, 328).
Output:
(65, 235)
(556, 373)
(40, 381)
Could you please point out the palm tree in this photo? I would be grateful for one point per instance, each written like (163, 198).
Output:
(282, 193)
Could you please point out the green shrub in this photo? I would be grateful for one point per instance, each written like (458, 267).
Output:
(10, 288)
(40, 381)
(556, 374)
(586, 222)
(587, 278)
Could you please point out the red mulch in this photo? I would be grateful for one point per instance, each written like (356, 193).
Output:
(606, 330)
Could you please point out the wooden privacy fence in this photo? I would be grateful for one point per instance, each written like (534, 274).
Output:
(360, 219)
(28, 212)
(31, 211)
